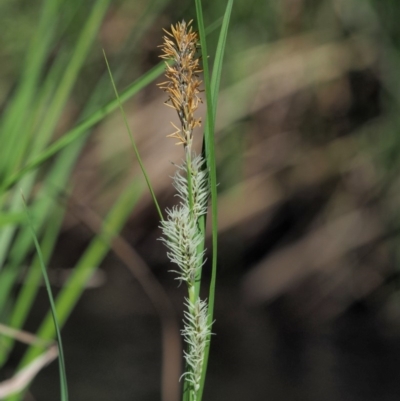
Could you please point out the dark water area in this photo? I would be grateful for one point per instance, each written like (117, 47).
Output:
(113, 349)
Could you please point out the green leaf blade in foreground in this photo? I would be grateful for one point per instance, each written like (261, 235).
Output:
(32, 281)
(11, 121)
(211, 89)
(61, 360)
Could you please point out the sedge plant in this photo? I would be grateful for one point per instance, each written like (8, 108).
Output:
(195, 182)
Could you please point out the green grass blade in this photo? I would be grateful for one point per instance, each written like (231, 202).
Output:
(19, 133)
(6, 234)
(32, 281)
(219, 55)
(63, 376)
(144, 172)
(211, 89)
(11, 122)
(210, 160)
(77, 58)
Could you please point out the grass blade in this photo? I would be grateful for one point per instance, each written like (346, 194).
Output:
(219, 55)
(211, 89)
(23, 98)
(144, 172)
(61, 360)
(30, 288)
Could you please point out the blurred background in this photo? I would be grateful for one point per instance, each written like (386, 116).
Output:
(308, 156)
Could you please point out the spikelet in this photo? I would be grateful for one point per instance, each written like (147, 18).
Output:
(182, 85)
(196, 333)
(181, 234)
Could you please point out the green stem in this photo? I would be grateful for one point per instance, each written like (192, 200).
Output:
(189, 179)
(192, 294)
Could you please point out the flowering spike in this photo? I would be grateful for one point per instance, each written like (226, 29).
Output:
(183, 85)
(196, 333)
(181, 234)
(181, 230)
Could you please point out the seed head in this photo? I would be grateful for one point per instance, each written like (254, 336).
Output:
(183, 84)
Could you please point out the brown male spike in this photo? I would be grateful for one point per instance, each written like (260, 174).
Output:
(183, 84)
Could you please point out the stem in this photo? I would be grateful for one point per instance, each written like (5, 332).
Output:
(192, 293)
(189, 179)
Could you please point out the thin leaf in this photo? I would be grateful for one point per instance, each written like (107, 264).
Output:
(144, 172)
(33, 65)
(32, 281)
(211, 89)
(63, 376)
